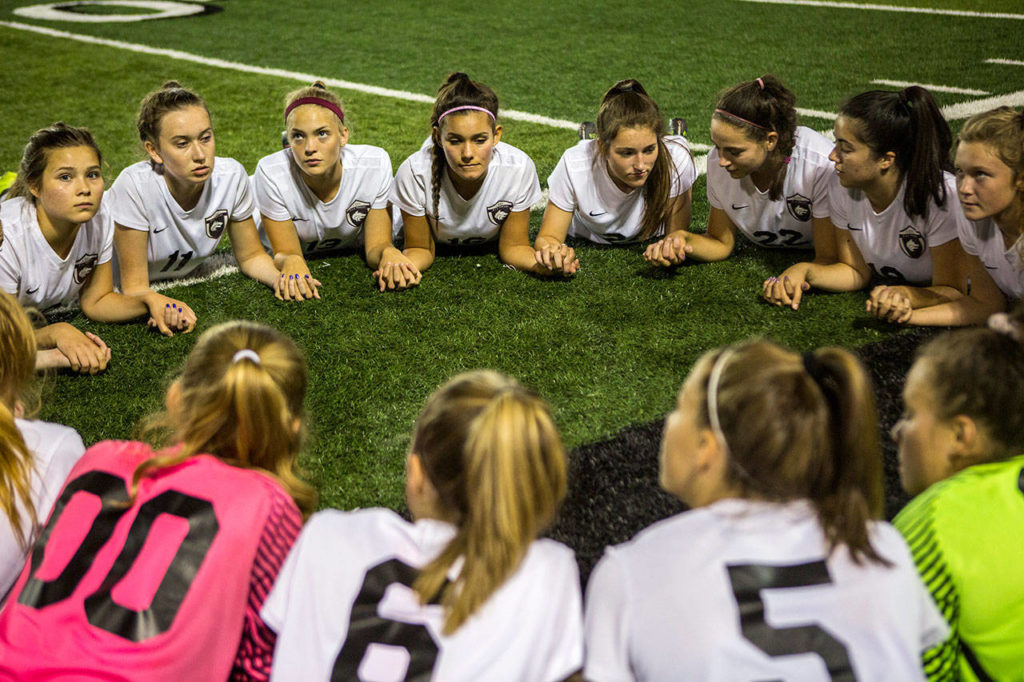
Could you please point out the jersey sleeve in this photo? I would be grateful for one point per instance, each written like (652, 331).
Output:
(268, 195)
(409, 190)
(256, 650)
(387, 182)
(820, 204)
(244, 205)
(715, 176)
(10, 268)
(106, 224)
(127, 206)
(917, 524)
(682, 160)
(561, 193)
(838, 203)
(529, 187)
(606, 623)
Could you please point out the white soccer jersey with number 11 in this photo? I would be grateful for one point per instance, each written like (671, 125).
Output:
(344, 609)
(743, 590)
(180, 240)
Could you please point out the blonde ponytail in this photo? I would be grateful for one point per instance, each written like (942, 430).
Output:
(502, 476)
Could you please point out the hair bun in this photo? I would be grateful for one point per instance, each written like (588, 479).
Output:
(320, 85)
(171, 85)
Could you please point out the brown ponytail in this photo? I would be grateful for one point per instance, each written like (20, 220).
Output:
(491, 450)
(801, 427)
(17, 364)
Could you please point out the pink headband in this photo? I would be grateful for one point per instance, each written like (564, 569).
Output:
(315, 100)
(468, 106)
(723, 112)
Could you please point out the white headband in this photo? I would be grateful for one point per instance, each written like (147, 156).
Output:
(245, 353)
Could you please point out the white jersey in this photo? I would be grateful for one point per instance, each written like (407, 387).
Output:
(33, 272)
(892, 243)
(282, 194)
(180, 240)
(601, 212)
(510, 186)
(786, 222)
(54, 449)
(983, 239)
(343, 605)
(743, 590)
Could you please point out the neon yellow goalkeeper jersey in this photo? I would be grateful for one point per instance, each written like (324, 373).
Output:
(967, 537)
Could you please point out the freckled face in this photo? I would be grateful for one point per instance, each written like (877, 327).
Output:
(985, 184)
(71, 186)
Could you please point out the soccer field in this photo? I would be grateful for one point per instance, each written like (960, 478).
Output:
(607, 349)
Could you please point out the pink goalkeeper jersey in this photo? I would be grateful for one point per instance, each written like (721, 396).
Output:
(168, 588)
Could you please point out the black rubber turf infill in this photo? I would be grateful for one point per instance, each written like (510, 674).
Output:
(613, 485)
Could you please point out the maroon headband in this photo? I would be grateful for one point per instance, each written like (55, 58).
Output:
(315, 100)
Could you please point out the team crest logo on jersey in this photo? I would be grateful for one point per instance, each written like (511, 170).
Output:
(912, 242)
(799, 207)
(84, 267)
(499, 211)
(357, 212)
(216, 223)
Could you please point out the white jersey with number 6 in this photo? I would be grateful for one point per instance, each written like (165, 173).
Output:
(601, 212)
(343, 609)
(180, 240)
(893, 244)
(33, 272)
(510, 186)
(282, 195)
(743, 590)
(788, 221)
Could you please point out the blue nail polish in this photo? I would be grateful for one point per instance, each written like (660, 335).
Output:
(307, 276)
(167, 305)
(291, 276)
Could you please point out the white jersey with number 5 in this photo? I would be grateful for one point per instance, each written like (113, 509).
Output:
(743, 590)
(180, 240)
(33, 272)
(343, 609)
(786, 222)
(893, 244)
(601, 212)
(281, 194)
(510, 186)
(983, 239)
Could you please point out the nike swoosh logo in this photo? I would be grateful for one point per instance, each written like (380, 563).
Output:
(594, 215)
(854, 229)
(160, 230)
(736, 208)
(31, 291)
(300, 220)
(991, 267)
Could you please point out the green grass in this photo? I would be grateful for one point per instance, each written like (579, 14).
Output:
(607, 349)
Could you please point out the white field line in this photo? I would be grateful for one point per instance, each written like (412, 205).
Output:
(891, 8)
(929, 86)
(815, 113)
(967, 109)
(1007, 62)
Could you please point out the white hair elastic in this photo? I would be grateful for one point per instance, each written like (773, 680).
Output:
(245, 353)
(1001, 323)
(716, 376)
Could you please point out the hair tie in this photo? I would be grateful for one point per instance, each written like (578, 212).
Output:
(245, 354)
(723, 112)
(465, 108)
(715, 377)
(327, 104)
(1002, 324)
(760, 83)
(904, 101)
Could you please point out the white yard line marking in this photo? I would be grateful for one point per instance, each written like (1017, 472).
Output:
(892, 8)
(968, 109)
(815, 113)
(1007, 62)
(929, 86)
